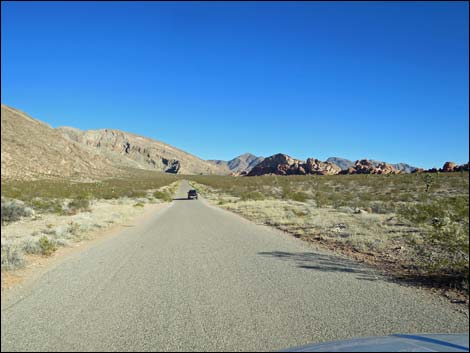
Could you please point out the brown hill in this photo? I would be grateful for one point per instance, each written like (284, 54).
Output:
(31, 149)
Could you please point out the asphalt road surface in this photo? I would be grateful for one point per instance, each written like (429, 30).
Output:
(193, 277)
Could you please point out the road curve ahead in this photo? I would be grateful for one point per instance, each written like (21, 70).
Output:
(197, 278)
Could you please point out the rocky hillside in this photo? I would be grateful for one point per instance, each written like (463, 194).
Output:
(241, 164)
(136, 151)
(32, 149)
(282, 164)
(344, 164)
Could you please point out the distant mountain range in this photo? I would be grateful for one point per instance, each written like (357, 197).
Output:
(31, 149)
(243, 163)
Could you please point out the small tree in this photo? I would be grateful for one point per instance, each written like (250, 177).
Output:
(428, 180)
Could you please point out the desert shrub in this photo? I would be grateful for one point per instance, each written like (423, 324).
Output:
(445, 224)
(299, 196)
(252, 195)
(31, 245)
(456, 208)
(12, 256)
(381, 207)
(46, 205)
(13, 210)
(78, 205)
(290, 194)
(73, 228)
(162, 195)
(321, 199)
(139, 204)
(47, 246)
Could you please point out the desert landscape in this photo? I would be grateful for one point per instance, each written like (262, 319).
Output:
(234, 176)
(409, 222)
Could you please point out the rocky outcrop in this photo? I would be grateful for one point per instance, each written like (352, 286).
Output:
(315, 166)
(365, 166)
(173, 166)
(344, 164)
(282, 164)
(463, 167)
(449, 167)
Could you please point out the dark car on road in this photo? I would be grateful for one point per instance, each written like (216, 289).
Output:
(192, 194)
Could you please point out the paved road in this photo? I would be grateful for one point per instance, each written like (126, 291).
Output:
(195, 277)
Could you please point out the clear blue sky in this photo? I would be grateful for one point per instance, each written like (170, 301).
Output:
(386, 81)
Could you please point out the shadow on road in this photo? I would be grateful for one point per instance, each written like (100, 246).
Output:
(324, 263)
(182, 199)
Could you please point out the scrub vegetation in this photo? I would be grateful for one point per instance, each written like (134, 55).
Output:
(414, 226)
(40, 216)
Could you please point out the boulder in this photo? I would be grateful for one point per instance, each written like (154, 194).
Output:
(315, 166)
(449, 167)
(279, 164)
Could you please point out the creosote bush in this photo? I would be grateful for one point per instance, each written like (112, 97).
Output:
(47, 246)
